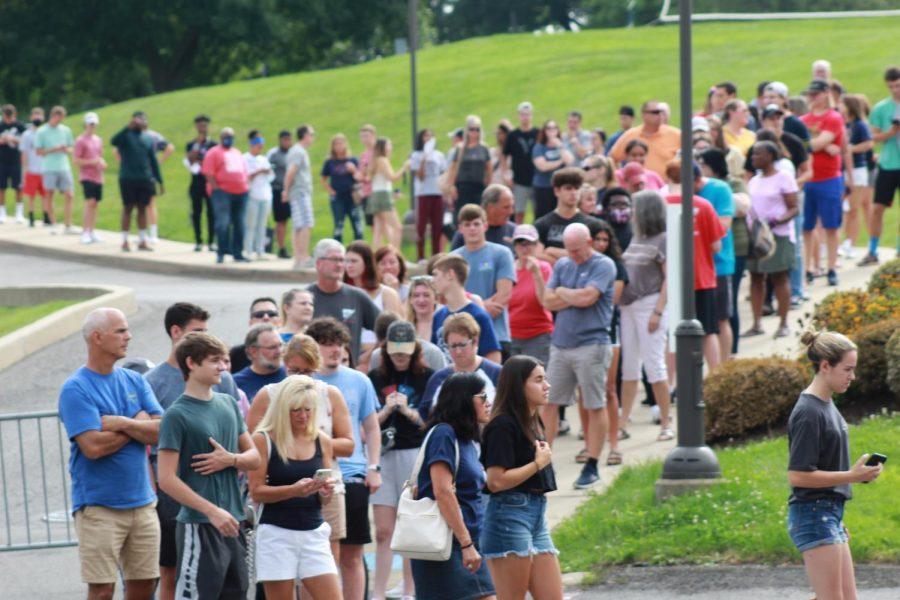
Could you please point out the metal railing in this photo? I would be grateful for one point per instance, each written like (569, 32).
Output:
(34, 479)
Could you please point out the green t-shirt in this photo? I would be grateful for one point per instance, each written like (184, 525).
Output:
(48, 137)
(884, 112)
(186, 428)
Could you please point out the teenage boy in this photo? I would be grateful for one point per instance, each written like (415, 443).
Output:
(33, 182)
(203, 443)
(138, 175)
(281, 212)
(88, 156)
(450, 275)
(566, 185)
(195, 151)
(54, 143)
(298, 189)
(517, 149)
(11, 131)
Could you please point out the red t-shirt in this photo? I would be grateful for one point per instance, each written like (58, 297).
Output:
(228, 167)
(707, 230)
(527, 317)
(824, 165)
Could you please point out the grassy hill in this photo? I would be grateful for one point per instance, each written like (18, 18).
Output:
(593, 71)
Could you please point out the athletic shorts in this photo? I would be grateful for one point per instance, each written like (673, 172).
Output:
(281, 211)
(166, 511)
(301, 210)
(210, 565)
(705, 301)
(57, 181)
(860, 176)
(524, 195)
(887, 183)
(109, 537)
(136, 192)
(357, 511)
(396, 467)
(822, 202)
(10, 175)
(92, 191)
(723, 298)
(34, 185)
(290, 554)
(585, 368)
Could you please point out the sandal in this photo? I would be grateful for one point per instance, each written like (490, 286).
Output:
(582, 457)
(752, 332)
(623, 435)
(614, 458)
(665, 435)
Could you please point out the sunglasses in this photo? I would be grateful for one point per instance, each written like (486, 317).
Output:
(421, 279)
(653, 112)
(474, 129)
(261, 314)
(482, 396)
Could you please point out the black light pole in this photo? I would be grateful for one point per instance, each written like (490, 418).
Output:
(692, 459)
(413, 37)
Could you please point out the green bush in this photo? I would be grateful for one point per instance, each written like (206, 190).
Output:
(746, 394)
(892, 356)
(886, 280)
(872, 365)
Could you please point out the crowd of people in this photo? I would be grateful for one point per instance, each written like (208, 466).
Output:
(341, 388)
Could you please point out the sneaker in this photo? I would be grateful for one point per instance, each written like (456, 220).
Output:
(845, 206)
(283, 254)
(145, 247)
(654, 414)
(242, 259)
(86, 238)
(3, 216)
(153, 240)
(588, 478)
(198, 247)
(796, 301)
(20, 219)
(564, 427)
(96, 239)
(810, 277)
(868, 259)
(69, 230)
(395, 592)
(832, 277)
(220, 259)
(126, 247)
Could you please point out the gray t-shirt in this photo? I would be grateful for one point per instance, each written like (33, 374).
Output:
(302, 183)
(644, 260)
(473, 164)
(577, 327)
(817, 439)
(349, 305)
(278, 159)
(432, 355)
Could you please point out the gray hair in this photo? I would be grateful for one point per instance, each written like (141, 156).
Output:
(326, 245)
(492, 194)
(257, 330)
(649, 213)
(98, 320)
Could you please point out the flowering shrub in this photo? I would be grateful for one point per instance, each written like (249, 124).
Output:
(886, 281)
(851, 310)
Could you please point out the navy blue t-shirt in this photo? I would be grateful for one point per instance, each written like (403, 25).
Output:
(250, 382)
(470, 478)
(487, 340)
(341, 177)
(859, 133)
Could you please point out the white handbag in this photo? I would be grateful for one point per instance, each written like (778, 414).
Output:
(421, 531)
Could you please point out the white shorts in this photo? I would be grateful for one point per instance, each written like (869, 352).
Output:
(639, 345)
(283, 554)
(860, 176)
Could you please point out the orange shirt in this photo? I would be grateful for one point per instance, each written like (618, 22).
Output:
(663, 146)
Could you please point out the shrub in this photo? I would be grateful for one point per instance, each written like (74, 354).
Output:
(871, 383)
(892, 356)
(746, 394)
(849, 311)
(886, 280)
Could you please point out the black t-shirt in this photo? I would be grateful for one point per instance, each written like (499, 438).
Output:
(518, 146)
(817, 439)
(795, 147)
(9, 154)
(623, 232)
(498, 234)
(408, 434)
(550, 227)
(239, 360)
(504, 444)
(349, 305)
(794, 126)
(201, 148)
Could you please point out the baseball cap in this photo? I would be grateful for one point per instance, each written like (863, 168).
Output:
(626, 110)
(284, 133)
(817, 86)
(778, 87)
(525, 232)
(772, 109)
(526, 105)
(401, 338)
(455, 133)
(91, 118)
(699, 124)
(632, 170)
(227, 131)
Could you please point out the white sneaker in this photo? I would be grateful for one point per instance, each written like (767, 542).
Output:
(845, 206)
(96, 239)
(86, 238)
(69, 230)
(654, 414)
(21, 220)
(396, 591)
(153, 240)
(3, 216)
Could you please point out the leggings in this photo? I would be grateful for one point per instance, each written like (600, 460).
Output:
(198, 195)
(429, 211)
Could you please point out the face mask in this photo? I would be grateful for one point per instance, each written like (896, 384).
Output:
(227, 141)
(620, 215)
(429, 145)
(37, 122)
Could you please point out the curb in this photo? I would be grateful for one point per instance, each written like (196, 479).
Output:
(62, 323)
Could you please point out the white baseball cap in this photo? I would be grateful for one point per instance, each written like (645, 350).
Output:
(524, 106)
(91, 118)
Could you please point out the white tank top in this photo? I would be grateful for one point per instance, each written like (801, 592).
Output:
(380, 183)
(368, 335)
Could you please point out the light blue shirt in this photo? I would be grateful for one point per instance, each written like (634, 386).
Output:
(488, 265)
(576, 327)
(361, 402)
(719, 195)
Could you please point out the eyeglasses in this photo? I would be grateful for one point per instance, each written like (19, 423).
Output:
(474, 129)
(306, 372)
(262, 314)
(483, 396)
(459, 346)
(334, 259)
(653, 112)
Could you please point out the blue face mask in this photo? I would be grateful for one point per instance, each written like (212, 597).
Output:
(228, 141)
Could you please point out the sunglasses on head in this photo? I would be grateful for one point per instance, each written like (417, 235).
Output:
(261, 314)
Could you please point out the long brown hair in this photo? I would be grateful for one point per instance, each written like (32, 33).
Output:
(370, 271)
(510, 398)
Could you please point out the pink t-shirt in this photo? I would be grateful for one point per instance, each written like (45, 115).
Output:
(652, 181)
(89, 147)
(229, 169)
(767, 200)
(527, 317)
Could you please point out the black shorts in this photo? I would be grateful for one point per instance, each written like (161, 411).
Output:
(167, 509)
(136, 192)
(281, 211)
(10, 175)
(210, 565)
(705, 301)
(887, 182)
(723, 298)
(357, 507)
(92, 191)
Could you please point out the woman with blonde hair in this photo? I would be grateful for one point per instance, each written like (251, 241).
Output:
(338, 177)
(291, 485)
(469, 170)
(421, 305)
(385, 223)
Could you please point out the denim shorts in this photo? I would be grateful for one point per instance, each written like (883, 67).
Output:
(815, 523)
(514, 523)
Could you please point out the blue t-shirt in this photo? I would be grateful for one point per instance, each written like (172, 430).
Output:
(341, 179)
(119, 480)
(576, 327)
(470, 476)
(719, 195)
(250, 382)
(361, 402)
(488, 265)
(487, 340)
(487, 370)
(542, 179)
(859, 133)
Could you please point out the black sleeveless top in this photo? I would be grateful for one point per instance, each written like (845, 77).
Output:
(299, 514)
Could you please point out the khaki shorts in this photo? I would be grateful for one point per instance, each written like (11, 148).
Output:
(335, 515)
(108, 537)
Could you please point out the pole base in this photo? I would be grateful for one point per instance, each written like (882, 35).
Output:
(691, 462)
(669, 488)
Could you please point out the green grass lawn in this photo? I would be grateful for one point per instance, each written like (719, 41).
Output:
(740, 521)
(16, 317)
(594, 71)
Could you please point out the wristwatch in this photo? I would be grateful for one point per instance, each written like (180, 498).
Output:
(375, 468)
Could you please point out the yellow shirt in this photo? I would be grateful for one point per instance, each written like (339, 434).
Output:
(663, 146)
(742, 141)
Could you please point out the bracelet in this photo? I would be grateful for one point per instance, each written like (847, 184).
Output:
(235, 461)
(658, 313)
(469, 545)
